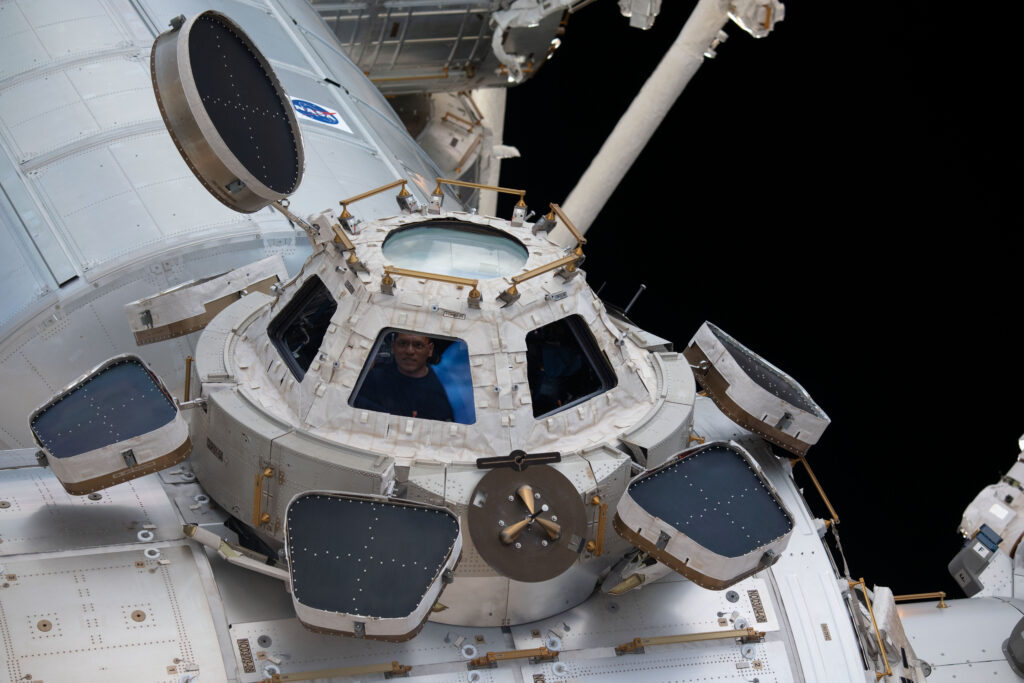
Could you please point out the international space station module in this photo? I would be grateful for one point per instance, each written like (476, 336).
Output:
(399, 421)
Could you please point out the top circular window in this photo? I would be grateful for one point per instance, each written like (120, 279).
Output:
(455, 248)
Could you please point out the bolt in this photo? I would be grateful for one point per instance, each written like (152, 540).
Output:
(501, 522)
(536, 496)
(511, 498)
(544, 507)
(518, 545)
(554, 518)
(544, 543)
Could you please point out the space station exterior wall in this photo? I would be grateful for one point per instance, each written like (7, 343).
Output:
(96, 189)
(187, 305)
(237, 449)
(212, 360)
(756, 400)
(242, 441)
(1000, 506)
(84, 324)
(665, 431)
(306, 462)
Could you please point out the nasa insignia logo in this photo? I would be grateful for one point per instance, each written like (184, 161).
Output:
(314, 111)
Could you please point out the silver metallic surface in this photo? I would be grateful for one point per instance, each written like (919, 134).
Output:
(45, 518)
(119, 615)
(690, 663)
(443, 45)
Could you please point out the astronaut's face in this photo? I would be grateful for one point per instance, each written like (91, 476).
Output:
(411, 352)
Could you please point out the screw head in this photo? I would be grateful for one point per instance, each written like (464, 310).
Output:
(518, 545)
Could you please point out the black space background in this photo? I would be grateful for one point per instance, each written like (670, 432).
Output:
(841, 197)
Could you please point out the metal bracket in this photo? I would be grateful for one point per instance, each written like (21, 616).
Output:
(518, 460)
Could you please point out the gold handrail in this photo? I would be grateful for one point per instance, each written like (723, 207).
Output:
(387, 280)
(394, 668)
(512, 293)
(449, 115)
(188, 377)
(462, 183)
(469, 152)
(878, 635)
(821, 492)
(369, 193)
(259, 518)
(638, 643)
(491, 658)
(941, 595)
(565, 260)
(557, 210)
(596, 546)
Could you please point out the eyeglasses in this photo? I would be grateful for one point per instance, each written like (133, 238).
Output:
(416, 344)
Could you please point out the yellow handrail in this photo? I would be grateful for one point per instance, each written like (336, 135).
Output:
(821, 492)
(369, 193)
(638, 643)
(569, 225)
(941, 595)
(878, 635)
(394, 669)
(387, 280)
(491, 658)
(462, 183)
(259, 517)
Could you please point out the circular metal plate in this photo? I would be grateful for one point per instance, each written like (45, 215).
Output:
(533, 555)
(227, 113)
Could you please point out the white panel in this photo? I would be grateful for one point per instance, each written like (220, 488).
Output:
(997, 671)
(42, 517)
(259, 24)
(29, 99)
(670, 606)
(83, 180)
(52, 129)
(46, 12)
(113, 617)
(23, 277)
(689, 663)
(967, 631)
(70, 38)
(202, 214)
(132, 99)
(301, 650)
(112, 227)
(336, 169)
(20, 49)
(152, 159)
(171, 195)
(12, 20)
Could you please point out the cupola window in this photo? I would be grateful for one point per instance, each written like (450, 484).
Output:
(415, 375)
(299, 329)
(565, 366)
